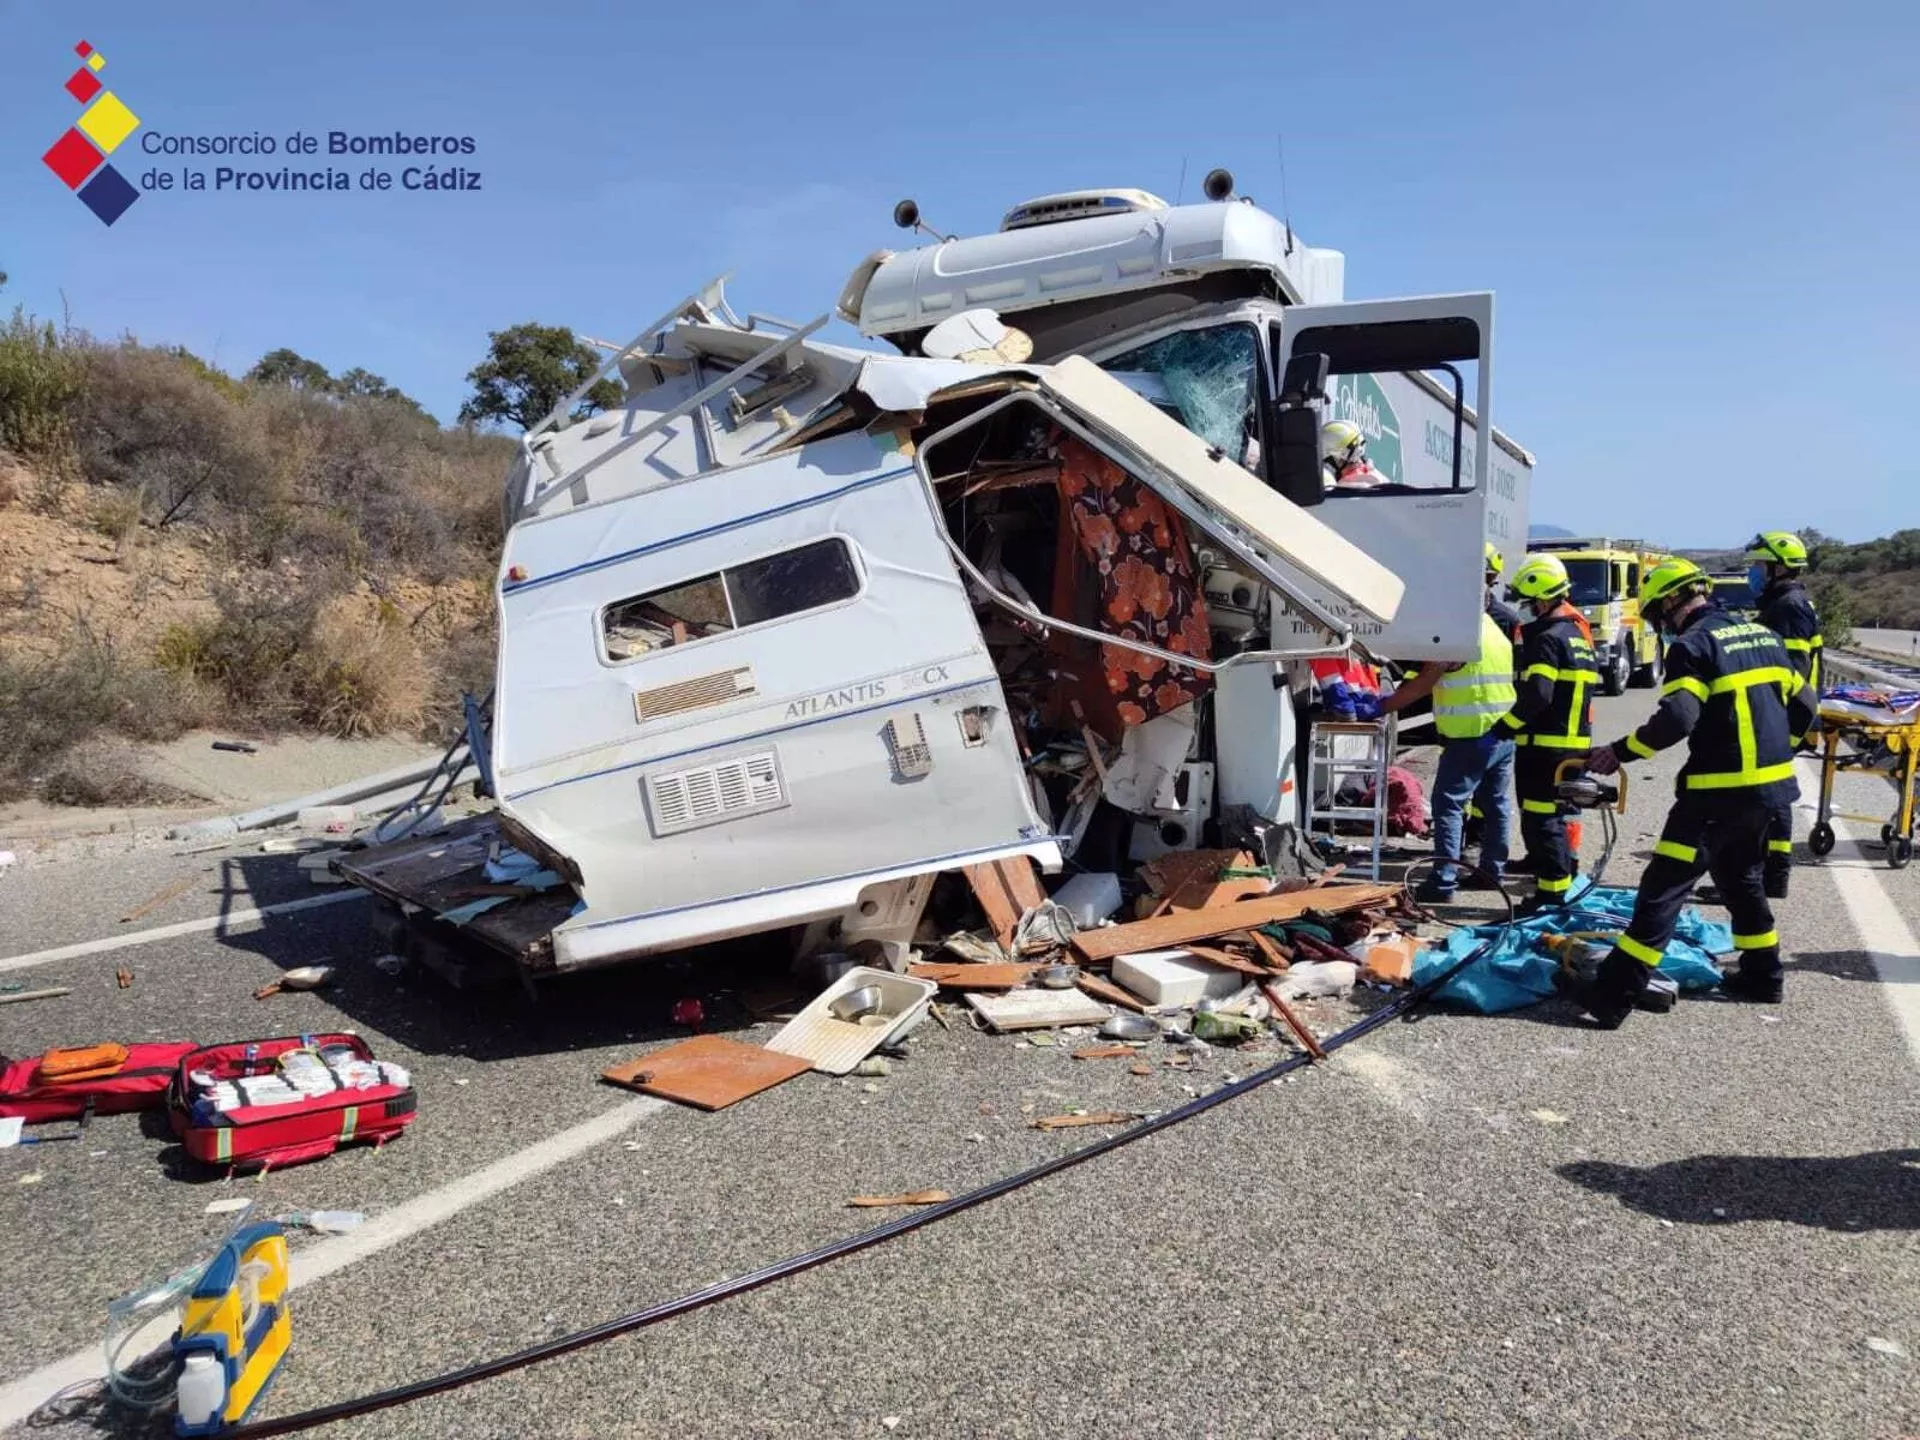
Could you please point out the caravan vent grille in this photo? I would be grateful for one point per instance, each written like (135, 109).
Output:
(728, 790)
(695, 694)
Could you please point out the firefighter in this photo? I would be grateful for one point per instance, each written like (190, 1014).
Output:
(1469, 698)
(1494, 787)
(1343, 454)
(1733, 696)
(1778, 561)
(1551, 720)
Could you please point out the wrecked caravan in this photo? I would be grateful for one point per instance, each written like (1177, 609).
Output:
(799, 626)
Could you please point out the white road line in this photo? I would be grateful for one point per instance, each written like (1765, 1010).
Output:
(20, 1398)
(225, 924)
(1884, 935)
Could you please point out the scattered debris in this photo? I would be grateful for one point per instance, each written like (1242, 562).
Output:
(874, 1065)
(20, 997)
(1073, 1121)
(1880, 1345)
(1105, 1052)
(301, 977)
(688, 1012)
(238, 747)
(1316, 978)
(1131, 1027)
(34, 1178)
(1390, 962)
(1057, 977)
(1293, 1022)
(123, 977)
(912, 1197)
(1113, 994)
(333, 819)
(1140, 1069)
(990, 976)
(1554, 1117)
(1174, 978)
(1182, 926)
(1037, 1009)
(154, 902)
(1223, 1027)
(708, 1072)
(863, 1010)
(1006, 890)
(227, 1206)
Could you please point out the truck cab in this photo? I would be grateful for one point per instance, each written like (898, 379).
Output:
(1605, 575)
(1200, 309)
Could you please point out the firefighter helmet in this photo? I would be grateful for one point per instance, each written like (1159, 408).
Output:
(1671, 577)
(1496, 562)
(1543, 577)
(1779, 547)
(1341, 442)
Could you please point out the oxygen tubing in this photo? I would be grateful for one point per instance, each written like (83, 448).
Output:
(852, 1244)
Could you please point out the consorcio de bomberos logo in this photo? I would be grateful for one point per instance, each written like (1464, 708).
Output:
(79, 157)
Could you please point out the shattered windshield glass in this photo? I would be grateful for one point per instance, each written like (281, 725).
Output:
(1208, 378)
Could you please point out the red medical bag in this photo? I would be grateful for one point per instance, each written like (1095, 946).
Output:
(58, 1084)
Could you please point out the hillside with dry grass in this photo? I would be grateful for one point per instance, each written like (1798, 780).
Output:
(182, 549)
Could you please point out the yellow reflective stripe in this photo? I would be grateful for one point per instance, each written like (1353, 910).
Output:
(1765, 775)
(1803, 647)
(1780, 847)
(1639, 746)
(1553, 887)
(1674, 850)
(349, 1122)
(1743, 680)
(1766, 940)
(1564, 742)
(1541, 807)
(1687, 683)
(1645, 954)
(1743, 723)
(223, 1144)
(1533, 670)
(1552, 672)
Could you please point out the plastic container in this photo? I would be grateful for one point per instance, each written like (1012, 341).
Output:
(202, 1390)
(1089, 898)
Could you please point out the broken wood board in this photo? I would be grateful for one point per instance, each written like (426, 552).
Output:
(1294, 1022)
(709, 1072)
(1037, 1009)
(1113, 994)
(1172, 876)
(1182, 926)
(1227, 960)
(154, 902)
(1276, 954)
(972, 977)
(1007, 890)
(1098, 1117)
(1106, 1052)
(912, 1197)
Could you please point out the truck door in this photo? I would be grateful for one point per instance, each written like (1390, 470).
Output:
(1386, 362)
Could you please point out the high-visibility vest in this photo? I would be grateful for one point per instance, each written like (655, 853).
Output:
(1468, 701)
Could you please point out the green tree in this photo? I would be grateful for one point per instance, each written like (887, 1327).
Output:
(291, 369)
(529, 369)
(1835, 607)
(362, 384)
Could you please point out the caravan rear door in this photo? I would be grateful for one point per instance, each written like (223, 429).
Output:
(1425, 516)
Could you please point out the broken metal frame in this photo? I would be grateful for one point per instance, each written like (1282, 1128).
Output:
(1028, 394)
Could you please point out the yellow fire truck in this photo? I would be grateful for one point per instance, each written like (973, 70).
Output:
(1606, 588)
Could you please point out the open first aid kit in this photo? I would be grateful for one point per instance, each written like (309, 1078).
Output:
(64, 1084)
(287, 1100)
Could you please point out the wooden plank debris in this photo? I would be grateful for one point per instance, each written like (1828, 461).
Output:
(1007, 890)
(1227, 960)
(709, 1072)
(972, 977)
(912, 1197)
(1106, 1052)
(1184, 926)
(1097, 1117)
(154, 902)
(1113, 994)
(1294, 1022)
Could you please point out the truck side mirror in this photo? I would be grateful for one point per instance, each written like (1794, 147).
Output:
(1294, 467)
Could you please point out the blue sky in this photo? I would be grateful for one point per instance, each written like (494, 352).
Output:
(1695, 226)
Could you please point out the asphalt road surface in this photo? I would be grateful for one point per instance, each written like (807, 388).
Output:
(1703, 1224)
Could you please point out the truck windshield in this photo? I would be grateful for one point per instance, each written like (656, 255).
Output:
(1733, 592)
(1208, 379)
(1592, 582)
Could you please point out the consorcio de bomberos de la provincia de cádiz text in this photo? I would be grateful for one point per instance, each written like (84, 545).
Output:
(402, 161)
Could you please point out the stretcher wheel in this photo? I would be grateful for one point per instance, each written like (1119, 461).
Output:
(1900, 853)
(1886, 833)
(1820, 838)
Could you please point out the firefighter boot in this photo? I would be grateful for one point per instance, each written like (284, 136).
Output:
(1614, 992)
(1755, 979)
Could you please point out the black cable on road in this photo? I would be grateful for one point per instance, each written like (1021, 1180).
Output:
(852, 1244)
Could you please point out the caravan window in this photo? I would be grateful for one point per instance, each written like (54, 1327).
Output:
(773, 587)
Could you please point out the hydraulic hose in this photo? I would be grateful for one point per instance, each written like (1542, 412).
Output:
(852, 1244)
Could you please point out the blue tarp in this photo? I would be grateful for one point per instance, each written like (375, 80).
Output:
(1519, 971)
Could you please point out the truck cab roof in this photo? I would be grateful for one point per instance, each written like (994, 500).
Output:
(1109, 243)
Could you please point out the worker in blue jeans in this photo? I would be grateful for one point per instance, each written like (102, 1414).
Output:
(1476, 758)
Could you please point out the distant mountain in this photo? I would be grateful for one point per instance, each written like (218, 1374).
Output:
(1548, 532)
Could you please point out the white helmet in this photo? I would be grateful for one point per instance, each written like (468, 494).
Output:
(1341, 442)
